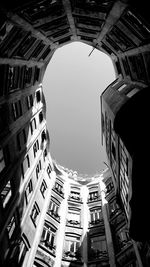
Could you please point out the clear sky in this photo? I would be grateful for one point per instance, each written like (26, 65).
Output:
(72, 84)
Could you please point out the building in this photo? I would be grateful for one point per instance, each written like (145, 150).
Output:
(30, 32)
(25, 169)
(123, 120)
(84, 225)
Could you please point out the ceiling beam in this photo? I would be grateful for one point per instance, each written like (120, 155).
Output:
(67, 7)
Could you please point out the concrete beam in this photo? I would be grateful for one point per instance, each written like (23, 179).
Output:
(67, 7)
(28, 27)
(114, 14)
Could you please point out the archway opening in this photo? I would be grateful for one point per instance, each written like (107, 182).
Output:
(73, 83)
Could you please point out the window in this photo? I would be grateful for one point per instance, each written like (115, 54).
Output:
(23, 248)
(29, 100)
(38, 96)
(35, 213)
(126, 66)
(2, 161)
(96, 215)
(35, 147)
(11, 226)
(98, 247)
(123, 237)
(41, 117)
(17, 109)
(72, 246)
(43, 136)
(28, 191)
(44, 154)
(53, 210)
(59, 188)
(6, 194)
(38, 169)
(43, 188)
(113, 208)
(122, 87)
(11, 77)
(73, 216)
(28, 75)
(21, 139)
(109, 188)
(25, 165)
(33, 125)
(48, 236)
(49, 170)
(132, 92)
(75, 195)
(53, 207)
(93, 196)
(36, 74)
(98, 243)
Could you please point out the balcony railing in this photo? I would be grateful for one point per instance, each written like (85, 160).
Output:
(118, 219)
(72, 256)
(75, 198)
(96, 198)
(58, 191)
(46, 244)
(73, 223)
(125, 253)
(115, 212)
(45, 258)
(54, 215)
(124, 245)
(96, 222)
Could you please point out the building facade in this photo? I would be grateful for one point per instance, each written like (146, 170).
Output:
(122, 130)
(84, 225)
(30, 32)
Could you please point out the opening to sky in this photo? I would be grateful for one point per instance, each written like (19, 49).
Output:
(73, 83)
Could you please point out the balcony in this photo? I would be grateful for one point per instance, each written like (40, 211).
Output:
(125, 253)
(46, 245)
(42, 257)
(73, 223)
(58, 191)
(93, 199)
(117, 218)
(115, 212)
(54, 215)
(72, 256)
(97, 222)
(75, 198)
(110, 194)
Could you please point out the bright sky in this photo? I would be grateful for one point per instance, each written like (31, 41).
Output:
(73, 83)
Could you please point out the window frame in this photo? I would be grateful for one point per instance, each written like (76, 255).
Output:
(2, 160)
(43, 188)
(6, 197)
(29, 188)
(35, 213)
